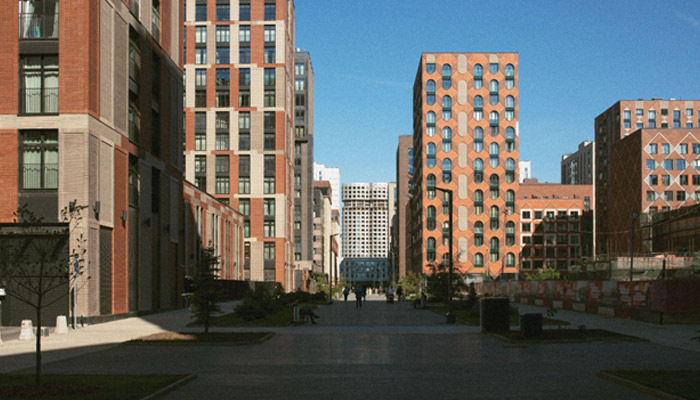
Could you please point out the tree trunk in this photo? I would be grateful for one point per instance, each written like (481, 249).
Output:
(37, 376)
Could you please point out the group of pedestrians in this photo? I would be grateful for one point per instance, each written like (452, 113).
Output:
(361, 294)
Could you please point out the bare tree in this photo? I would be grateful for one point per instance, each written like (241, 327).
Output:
(35, 264)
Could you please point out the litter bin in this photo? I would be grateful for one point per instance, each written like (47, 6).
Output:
(531, 325)
(495, 314)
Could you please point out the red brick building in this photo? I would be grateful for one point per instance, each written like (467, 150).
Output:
(556, 225)
(465, 120)
(239, 109)
(636, 141)
(91, 115)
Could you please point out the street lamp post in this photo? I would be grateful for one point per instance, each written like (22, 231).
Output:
(634, 216)
(450, 318)
(330, 278)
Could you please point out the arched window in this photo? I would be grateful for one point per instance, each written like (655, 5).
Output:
(430, 124)
(493, 122)
(510, 170)
(430, 182)
(446, 233)
(478, 108)
(494, 213)
(510, 108)
(430, 155)
(478, 170)
(493, 155)
(510, 201)
(445, 203)
(510, 260)
(446, 139)
(478, 202)
(478, 260)
(447, 170)
(510, 139)
(430, 218)
(510, 233)
(430, 254)
(446, 76)
(478, 76)
(493, 186)
(430, 92)
(510, 76)
(478, 233)
(446, 108)
(494, 249)
(493, 92)
(478, 139)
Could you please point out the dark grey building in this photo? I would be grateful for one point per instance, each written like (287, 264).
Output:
(577, 168)
(303, 156)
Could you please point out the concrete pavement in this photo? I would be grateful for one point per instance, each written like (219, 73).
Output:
(380, 351)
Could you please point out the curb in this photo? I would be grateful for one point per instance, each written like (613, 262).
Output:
(170, 387)
(637, 386)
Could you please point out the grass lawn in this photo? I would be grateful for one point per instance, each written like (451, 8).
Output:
(471, 318)
(682, 383)
(201, 338)
(83, 387)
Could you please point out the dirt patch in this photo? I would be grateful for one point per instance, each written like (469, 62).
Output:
(225, 338)
(568, 336)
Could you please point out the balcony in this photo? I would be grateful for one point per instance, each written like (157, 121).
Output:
(38, 25)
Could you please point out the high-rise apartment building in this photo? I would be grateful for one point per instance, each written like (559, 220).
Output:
(524, 170)
(367, 212)
(239, 70)
(404, 160)
(91, 116)
(465, 140)
(332, 175)
(645, 161)
(303, 155)
(577, 167)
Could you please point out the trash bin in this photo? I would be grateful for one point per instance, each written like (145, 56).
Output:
(531, 325)
(495, 314)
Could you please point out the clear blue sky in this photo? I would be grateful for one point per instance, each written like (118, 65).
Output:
(576, 58)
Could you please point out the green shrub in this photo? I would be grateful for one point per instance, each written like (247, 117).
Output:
(258, 304)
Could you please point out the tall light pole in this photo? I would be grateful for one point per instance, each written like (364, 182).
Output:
(634, 216)
(330, 280)
(450, 318)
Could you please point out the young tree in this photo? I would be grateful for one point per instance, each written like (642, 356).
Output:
(205, 290)
(410, 282)
(438, 282)
(35, 265)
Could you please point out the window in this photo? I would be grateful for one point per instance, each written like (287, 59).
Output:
(680, 164)
(200, 12)
(200, 141)
(200, 34)
(244, 206)
(446, 76)
(665, 148)
(683, 148)
(223, 77)
(222, 165)
(493, 68)
(430, 218)
(269, 185)
(223, 12)
(269, 77)
(510, 170)
(430, 253)
(270, 34)
(668, 195)
(430, 92)
(299, 69)
(430, 182)
(478, 202)
(430, 155)
(430, 68)
(269, 99)
(478, 108)
(676, 118)
(493, 186)
(446, 108)
(494, 249)
(269, 251)
(223, 55)
(493, 155)
(653, 148)
(446, 139)
(510, 108)
(269, 229)
(39, 160)
(478, 139)
(447, 170)
(222, 141)
(244, 34)
(39, 84)
(222, 98)
(200, 55)
(269, 207)
(651, 164)
(478, 233)
(668, 164)
(510, 139)
(222, 185)
(478, 170)
(683, 179)
(510, 76)
(493, 92)
(244, 11)
(200, 77)
(493, 218)
(653, 180)
(652, 118)
(244, 184)
(478, 76)
(299, 84)
(270, 11)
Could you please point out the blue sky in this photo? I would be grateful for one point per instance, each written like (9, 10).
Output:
(576, 58)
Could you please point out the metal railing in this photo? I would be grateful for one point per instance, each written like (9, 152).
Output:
(38, 25)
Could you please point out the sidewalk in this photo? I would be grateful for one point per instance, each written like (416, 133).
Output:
(678, 336)
(91, 338)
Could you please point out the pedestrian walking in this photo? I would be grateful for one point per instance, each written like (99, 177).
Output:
(346, 292)
(359, 293)
(399, 292)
